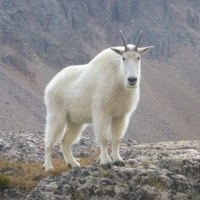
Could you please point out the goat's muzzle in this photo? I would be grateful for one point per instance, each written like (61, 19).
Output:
(132, 81)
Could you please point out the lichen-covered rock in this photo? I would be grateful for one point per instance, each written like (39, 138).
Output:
(144, 180)
(160, 171)
(165, 170)
(11, 194)
(29, 146)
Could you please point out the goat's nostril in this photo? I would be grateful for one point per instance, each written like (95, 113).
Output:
(132, 80)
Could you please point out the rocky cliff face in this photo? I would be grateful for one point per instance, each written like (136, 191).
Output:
(38, 38)
(166, 170)
(60, 32)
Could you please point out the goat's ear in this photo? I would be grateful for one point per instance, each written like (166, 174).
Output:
(118, 51)
(143, 50)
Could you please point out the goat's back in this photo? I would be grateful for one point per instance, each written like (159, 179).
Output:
(79, 90)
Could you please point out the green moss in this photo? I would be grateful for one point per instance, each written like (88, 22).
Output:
(4, 181)
(156, 183)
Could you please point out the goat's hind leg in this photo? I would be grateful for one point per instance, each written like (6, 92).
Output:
(54, 128)
(70, 136)
(118, 128)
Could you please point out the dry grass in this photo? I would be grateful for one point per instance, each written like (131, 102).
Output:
(104, 173)
(156, 183)
(22, 175)
(144, 164)
(26, 176)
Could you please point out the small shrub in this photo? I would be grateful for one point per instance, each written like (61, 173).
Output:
(4, 181)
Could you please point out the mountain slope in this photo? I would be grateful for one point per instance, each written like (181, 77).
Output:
(39, 38)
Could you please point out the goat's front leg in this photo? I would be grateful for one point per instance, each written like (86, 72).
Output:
(118, 128)
(100, 122)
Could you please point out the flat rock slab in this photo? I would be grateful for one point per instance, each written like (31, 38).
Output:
(166, 170)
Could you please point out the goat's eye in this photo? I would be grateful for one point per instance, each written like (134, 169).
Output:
(123, 58)
(138, 58)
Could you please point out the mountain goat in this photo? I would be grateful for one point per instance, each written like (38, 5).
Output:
(106, 89)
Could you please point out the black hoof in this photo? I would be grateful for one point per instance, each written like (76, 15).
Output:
(119, 163)
(73, 167)
(106, 166)
(69, 166)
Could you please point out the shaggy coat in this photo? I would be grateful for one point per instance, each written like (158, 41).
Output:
(106, 89)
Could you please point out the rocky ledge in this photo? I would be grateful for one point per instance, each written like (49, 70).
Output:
(166, 170)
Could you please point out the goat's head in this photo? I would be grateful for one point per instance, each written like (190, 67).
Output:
(130, 61)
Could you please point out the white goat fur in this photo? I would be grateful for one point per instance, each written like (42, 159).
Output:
(93, 93)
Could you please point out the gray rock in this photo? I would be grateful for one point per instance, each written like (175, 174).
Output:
(142, 180)
(23, 146)
(165, 170)
(11, 194)
(192, 21)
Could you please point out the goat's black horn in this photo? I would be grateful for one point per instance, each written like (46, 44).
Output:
(136, 46)
(125, 45)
